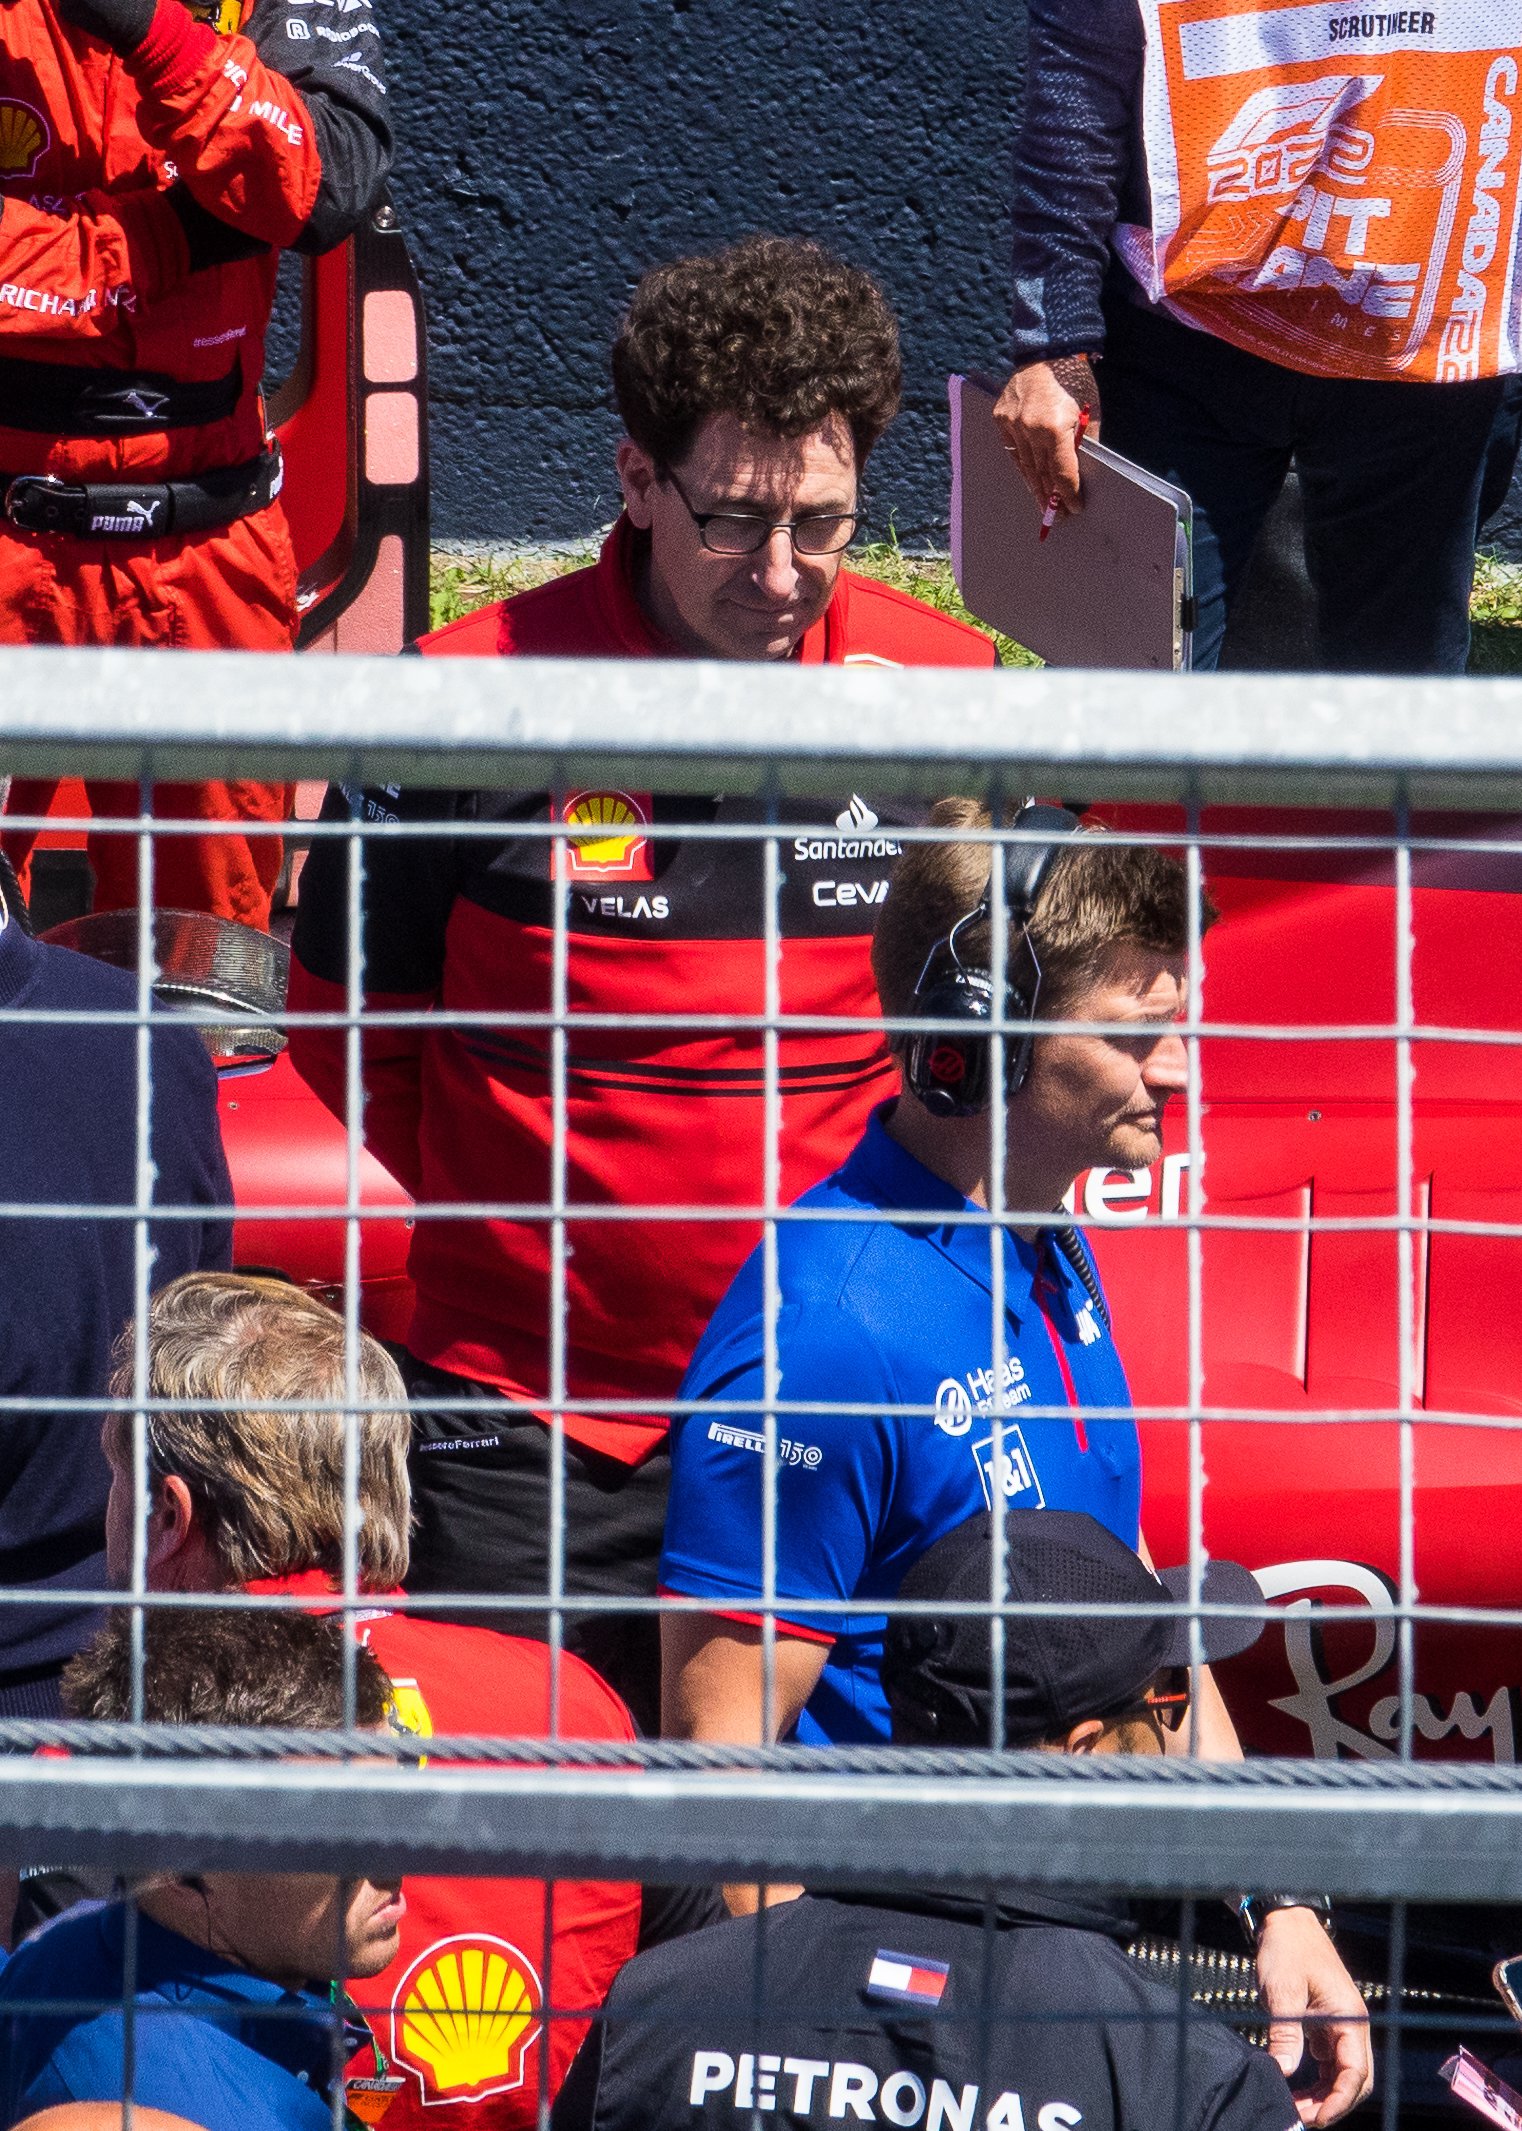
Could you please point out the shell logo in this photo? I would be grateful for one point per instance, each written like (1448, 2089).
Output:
(408, 1712)
(463, 2018)
(224, 16)
(24, 138)
(613, 844)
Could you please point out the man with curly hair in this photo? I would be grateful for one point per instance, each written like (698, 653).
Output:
(753, 384)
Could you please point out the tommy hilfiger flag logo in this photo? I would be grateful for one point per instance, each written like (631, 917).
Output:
(906, 1978)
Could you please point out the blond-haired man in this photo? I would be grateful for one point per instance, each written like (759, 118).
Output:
(244, 1492)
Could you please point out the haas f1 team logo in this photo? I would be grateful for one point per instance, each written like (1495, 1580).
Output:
(464, 2016)
(25, 138)
(611, 843)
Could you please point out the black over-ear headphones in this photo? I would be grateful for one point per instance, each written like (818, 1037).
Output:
(948, 1069)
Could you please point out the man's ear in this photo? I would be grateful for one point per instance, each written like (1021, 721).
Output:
(172, 1529)
(637, 477)
(1084, 1738)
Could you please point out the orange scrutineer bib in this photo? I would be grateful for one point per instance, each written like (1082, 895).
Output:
(1334, 186)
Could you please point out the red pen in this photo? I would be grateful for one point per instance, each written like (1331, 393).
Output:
(1053, 504)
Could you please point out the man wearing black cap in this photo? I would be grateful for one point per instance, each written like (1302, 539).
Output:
(1077, 1682)
(984, 2009)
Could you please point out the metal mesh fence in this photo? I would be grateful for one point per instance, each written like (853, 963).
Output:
(1310, 1288)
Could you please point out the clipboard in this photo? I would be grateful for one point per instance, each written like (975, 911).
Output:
(1112, 586)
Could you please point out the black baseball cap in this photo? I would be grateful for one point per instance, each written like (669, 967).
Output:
(1058, 1668)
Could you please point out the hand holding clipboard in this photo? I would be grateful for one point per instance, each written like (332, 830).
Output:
(1112, 585)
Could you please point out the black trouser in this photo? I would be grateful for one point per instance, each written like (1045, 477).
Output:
(1390, 474)
(481, 1494)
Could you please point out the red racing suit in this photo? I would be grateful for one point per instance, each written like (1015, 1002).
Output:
(656, 1116)
(484, 1970)
(143, 205)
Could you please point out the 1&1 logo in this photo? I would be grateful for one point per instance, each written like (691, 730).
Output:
(464, 2016)
(1012, 1473)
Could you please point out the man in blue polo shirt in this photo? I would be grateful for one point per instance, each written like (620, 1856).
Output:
(235, 2023)
(890, 1324)
(886, 1318)
(911, 1402)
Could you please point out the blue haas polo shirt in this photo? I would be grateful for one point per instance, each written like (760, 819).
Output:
(875, 1317)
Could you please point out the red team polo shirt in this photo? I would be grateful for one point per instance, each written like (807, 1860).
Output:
(461, 2012)
(655, 1116)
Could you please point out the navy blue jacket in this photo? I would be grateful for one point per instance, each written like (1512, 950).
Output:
(68, 1135)
(213, 2043)
(1079, 169)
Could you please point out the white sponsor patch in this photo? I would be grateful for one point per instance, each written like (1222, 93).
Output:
(788, 1452)
(1289, 36)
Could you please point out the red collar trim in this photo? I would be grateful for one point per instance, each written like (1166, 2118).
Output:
(309, 1583)
(617, 566)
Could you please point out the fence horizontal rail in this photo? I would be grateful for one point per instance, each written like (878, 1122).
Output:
(1504, 841)
(1314, 738)
(1425, 1833)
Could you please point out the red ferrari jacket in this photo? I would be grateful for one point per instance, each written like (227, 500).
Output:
(485, 1973)
(655, 1116)
(143, 202)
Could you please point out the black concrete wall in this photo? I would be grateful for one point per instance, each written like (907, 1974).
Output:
(552, 149)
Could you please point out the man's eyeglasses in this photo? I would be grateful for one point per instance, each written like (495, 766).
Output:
(1167, 1700)
(747, 532)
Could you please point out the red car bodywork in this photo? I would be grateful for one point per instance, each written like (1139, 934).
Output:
(1293, 1323)
(286, 1152)
(1296, 1323)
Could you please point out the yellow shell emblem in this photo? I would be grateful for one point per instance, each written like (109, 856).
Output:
(408, 1712)
(603, 812)
(463, 2018)
(614, 838)
(24, 139)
